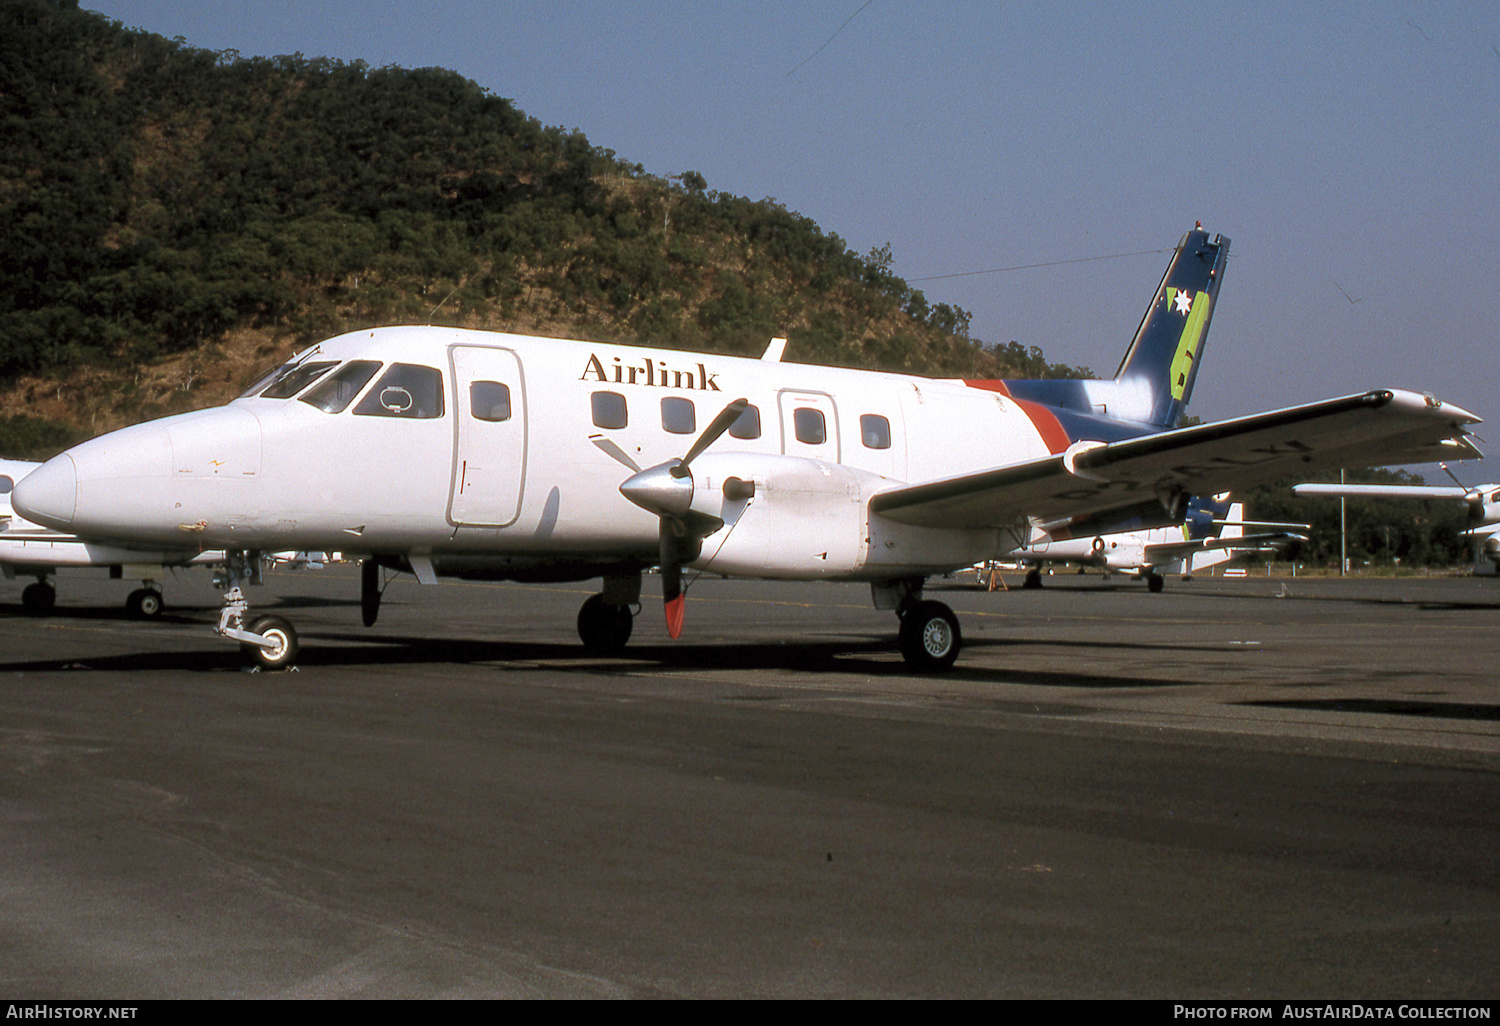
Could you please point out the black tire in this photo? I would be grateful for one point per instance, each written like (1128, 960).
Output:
(930, 638)
(1155, 583)
(275, 629)
(144, 603)
(1033, 578)
(39, 598)
(602, 627)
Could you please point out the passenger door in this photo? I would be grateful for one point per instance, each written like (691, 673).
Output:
(489, 457)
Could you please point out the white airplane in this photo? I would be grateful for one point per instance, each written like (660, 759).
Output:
(1483, 502)
(29, 549)
(471, 454)
(1213, 532)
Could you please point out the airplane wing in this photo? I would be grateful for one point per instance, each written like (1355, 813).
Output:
(1371, 429)
(1159, 552)
(1376, 491)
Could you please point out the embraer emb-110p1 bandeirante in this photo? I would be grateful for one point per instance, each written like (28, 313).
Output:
(495, 456)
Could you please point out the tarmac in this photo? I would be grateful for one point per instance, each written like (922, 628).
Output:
(1244, 789)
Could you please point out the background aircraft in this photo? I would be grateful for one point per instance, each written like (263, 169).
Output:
(29, 549)
(446, 452)
(1213, 532)
(1483, 502)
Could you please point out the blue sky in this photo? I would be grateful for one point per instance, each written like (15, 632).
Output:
(1350, 151)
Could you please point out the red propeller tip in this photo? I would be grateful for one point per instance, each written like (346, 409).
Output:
(675, 608)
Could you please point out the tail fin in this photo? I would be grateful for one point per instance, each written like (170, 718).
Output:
(1155, 380)
(1205, 517)
(1162, 361)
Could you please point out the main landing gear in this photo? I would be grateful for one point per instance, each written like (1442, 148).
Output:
(606, 619)
(929, 635)
(269, 642)
(39, 598)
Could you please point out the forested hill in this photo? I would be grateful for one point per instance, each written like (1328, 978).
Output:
(173, 218)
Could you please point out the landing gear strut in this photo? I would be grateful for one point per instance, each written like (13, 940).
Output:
(369, 590)
(270, 642)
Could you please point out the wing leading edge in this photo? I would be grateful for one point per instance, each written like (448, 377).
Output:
(1370, 429)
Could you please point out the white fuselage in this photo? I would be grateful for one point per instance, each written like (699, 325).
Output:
(527, 493)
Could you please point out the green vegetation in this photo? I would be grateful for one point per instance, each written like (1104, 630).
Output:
(157, 199)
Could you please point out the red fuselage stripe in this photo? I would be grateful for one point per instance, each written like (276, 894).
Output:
(1053, 434)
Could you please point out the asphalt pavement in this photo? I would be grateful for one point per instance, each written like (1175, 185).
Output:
(1234, 789)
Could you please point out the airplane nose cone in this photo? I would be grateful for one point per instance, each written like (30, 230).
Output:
(49, 494)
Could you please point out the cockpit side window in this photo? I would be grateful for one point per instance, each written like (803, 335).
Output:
(334, 393)
(295, 379)
(405, 390)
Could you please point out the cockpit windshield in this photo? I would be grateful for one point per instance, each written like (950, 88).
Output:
(295, 379)
(335, 392)
(262, 380)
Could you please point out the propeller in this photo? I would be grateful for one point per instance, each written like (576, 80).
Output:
(667, 490)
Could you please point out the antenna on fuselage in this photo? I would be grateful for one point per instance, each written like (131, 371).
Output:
(440, 305)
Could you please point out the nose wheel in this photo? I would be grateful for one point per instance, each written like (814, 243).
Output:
(278, 647)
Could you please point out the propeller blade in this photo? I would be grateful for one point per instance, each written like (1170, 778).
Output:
(609, 448)
(674, 603)
(727, 416)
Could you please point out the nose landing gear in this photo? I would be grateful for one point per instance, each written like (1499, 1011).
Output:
(270, 643)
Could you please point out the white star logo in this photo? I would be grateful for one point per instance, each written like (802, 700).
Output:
(1184, 302)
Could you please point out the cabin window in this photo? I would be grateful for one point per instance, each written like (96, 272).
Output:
(678, 416)
(748, 424)
(295, 379)
(875, 431)
(609, 409)
(405, 390)
(334, 393)
(6, 484)
(809, 425)
(489, 400)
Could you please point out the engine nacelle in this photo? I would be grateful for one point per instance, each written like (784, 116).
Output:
(791, 517)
